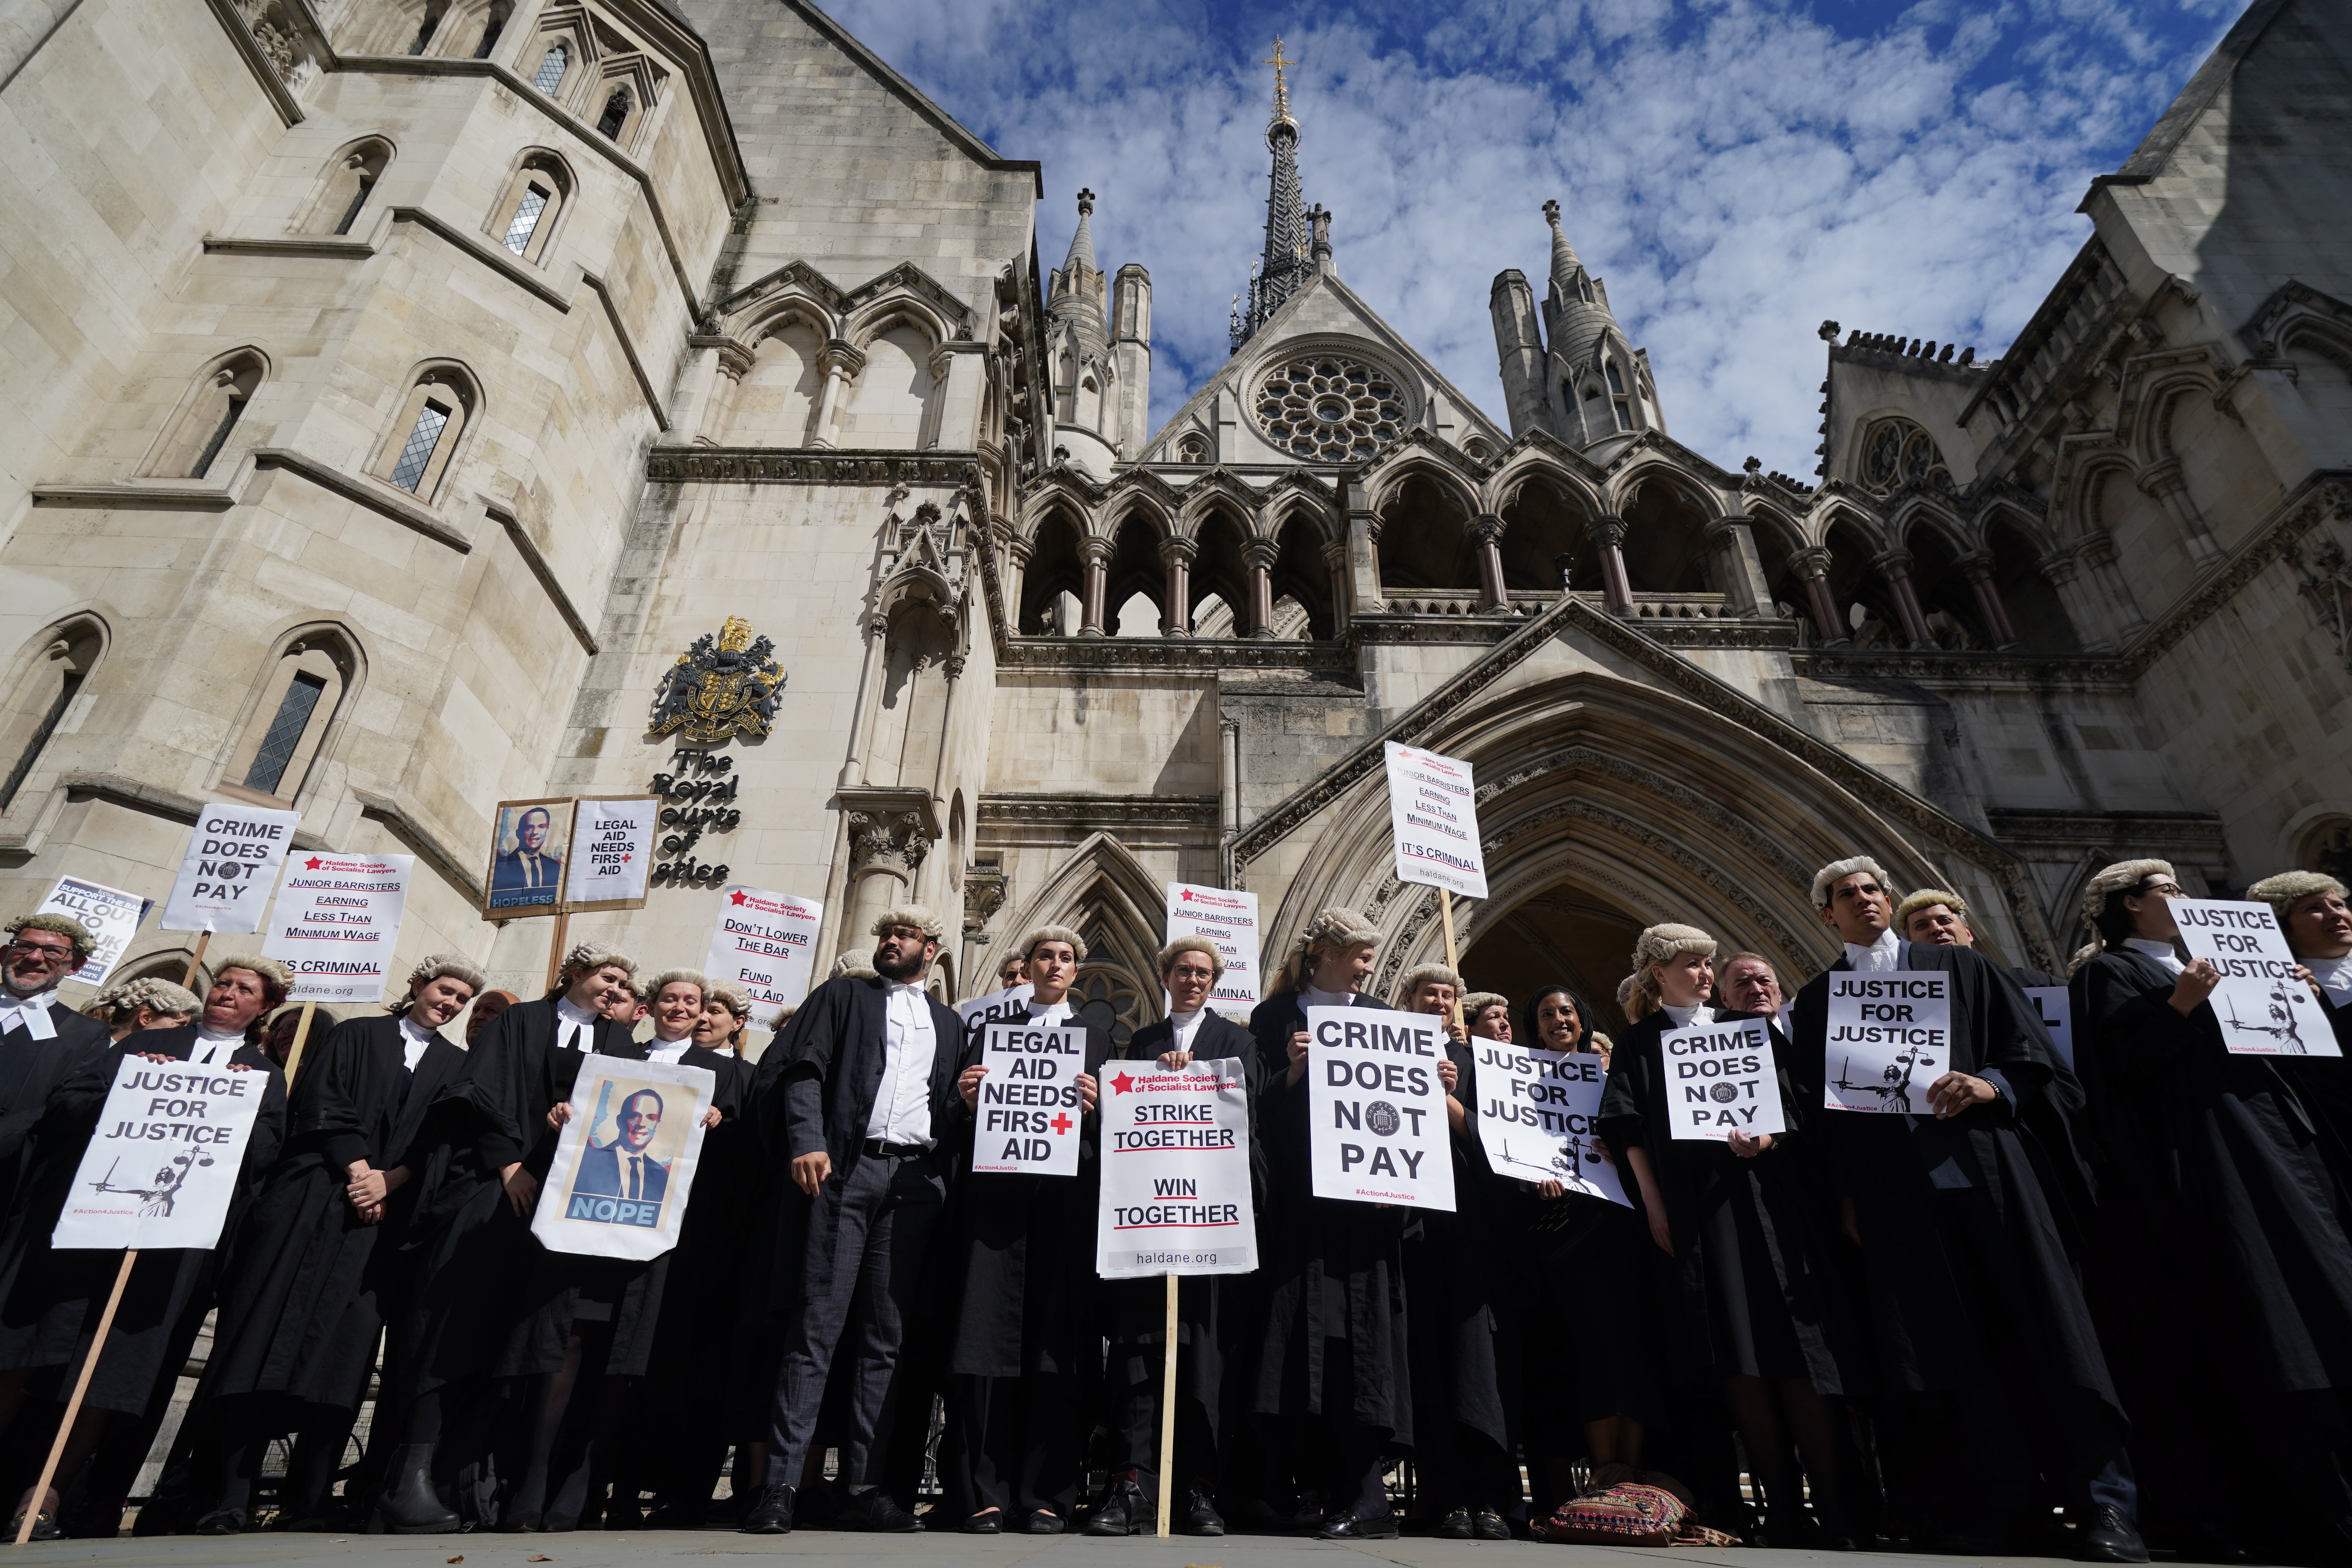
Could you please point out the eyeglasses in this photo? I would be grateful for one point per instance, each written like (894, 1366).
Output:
(47, 953)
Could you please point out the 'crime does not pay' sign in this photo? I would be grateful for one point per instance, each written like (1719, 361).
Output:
(1377, 1109)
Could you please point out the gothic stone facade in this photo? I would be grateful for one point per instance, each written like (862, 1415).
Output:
(398, 387)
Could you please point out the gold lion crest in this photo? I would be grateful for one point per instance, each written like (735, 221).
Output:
(719, 689)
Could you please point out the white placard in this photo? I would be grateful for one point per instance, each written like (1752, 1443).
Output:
(1012, 1003)
(1890, 1036)
(1030, 1116)
(1229, 919)
(2056, 1010)
(1376, 1109)
(1176, 1174)
(624, 1164)
(230, 865)
(1721, 1079)
(1434, 814)
(337, 922)
(111, 915)
(164, 1161)
(2264, 1009)
(612, 851)
(765, 943)
(1537, 1116)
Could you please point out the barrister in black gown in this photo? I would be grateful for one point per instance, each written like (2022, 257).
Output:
(302, 1285)
(2226, 1174)
(488, 1300)
(1463, 1437)
(41, 1039)
(1334, 1354)
(1212, 1311)
(2312, 911)
(1984, 1334)
(53, 1300)
(1749, 1298)
(1027, 1354)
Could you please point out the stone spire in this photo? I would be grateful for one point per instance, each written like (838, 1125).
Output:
(1082, 244)
(1285, 264)
(1075, 305)
(1564, 264)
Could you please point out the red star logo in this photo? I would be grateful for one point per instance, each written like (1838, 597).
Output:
(1187, 895)
(312, 864)
(737, 896)
(1122, 1083)
(1062, 1122)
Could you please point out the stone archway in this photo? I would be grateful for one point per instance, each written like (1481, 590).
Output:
(1571, 934)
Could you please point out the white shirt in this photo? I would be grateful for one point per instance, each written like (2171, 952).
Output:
(575, 1027)
(1881, 957)
(1685, 1017)
(30, 1014)
(1187, 1026)
(660, 1050)
(1046, 1015)
(214, 1047)
(413, 1037)
(1310, 997)
(2159, 951)
(2335, 977)
(902, 1105)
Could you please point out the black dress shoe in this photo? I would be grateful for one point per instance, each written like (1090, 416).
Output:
(1046, 1521)
(1487, 1525)
(988, 1521)
(1201, 1515)
(2109, 1537)
(1354, 1526)
(517, 1524)
(1454, 1526)
(45, 1527)
(875, 1512)
(220, 1522)
(1124, 1510)
(771, 1512)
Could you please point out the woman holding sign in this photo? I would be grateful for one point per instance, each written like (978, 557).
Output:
(1334, 1350)
(1027, 1346)
(2231, 1191)
(1752, 1304)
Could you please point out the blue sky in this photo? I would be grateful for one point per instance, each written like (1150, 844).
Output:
(1736, 170)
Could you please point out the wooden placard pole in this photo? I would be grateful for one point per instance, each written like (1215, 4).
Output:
(301, 1033)
(195, 960)
(81, 1387)
(556, 948)
(1168, 1415)
(1453, 960)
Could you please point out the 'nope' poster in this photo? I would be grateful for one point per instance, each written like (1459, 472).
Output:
(1377, 1109)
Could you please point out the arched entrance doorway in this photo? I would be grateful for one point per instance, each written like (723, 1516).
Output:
(1567, 935)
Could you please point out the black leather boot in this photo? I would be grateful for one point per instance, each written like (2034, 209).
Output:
(410, 1505)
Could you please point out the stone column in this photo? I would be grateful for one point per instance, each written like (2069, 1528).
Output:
(1176, 621)
(2163, 483)
(1364, 563)
(1813, 566)
(885, 854)
(1489, 529)
(1017, 552)
(1977, 568)
(959, 372)
(841, 363)
(2065, 575)
(691, 408)
(2097, 550)
(1096, 552)
(1738, 570)
(1261, 555)
(869, 691)
(1335, 556)
(1895, 566)
(1607, 532)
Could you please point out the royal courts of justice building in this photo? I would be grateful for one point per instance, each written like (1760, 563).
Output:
(397, 390)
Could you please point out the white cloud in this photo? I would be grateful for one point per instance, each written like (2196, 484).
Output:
(1736, 170)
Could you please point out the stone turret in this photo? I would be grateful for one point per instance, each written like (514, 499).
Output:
(1590, 384)
(1087, 394)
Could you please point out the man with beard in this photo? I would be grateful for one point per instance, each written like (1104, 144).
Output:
(40, 1036)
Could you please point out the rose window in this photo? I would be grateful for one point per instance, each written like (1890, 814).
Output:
(1328, 409)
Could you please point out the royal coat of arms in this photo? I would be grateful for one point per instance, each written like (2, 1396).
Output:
(719, 689)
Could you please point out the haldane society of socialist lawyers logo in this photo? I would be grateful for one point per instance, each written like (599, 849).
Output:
(719, 687)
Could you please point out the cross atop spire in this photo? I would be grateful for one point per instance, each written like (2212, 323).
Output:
(1285, 264)
(1281, 88)
(1082, 243)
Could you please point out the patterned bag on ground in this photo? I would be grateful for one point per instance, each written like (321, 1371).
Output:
(1623, 1507)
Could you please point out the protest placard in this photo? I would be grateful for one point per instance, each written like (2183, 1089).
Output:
(529, 842)
(1229, 919)
(2264, 1009)
(230, 865)
(1537, 1112)
(163, 1164)
(1433, 814)
(109, 914)
(2056, 1012)
(1030, 1113)
(997, 1006)
(1176, 1176)
(765, 943)
(611, 852)
(336, 924)
(625, 1161)
(1376, 1109)
(1721, 1079)
(1889, 1037)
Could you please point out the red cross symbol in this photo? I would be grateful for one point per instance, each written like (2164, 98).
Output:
(1062, 1122)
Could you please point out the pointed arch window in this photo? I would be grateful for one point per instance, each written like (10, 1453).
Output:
(525, 217)
(552, 66)
(210, 417)
(1584, 288)
(424, 440)
(350, 181)
(45, 698)
(1617, 397)
(429, 25)
(302, 691)
(493, 23)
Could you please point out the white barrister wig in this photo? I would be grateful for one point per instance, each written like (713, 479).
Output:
(1478, 1002)
(275, 977)
(1637, 994)
(734, 998)
(121, 1004)
(1337, 928)
(589, 956)
(855, 963)
(693, 977)
(454, 967)
(2288, 889)
(915, 915)
(1199, 944)
(56, 924)
(1414, 979)
(1927, 899)
(2122, 877)
(1829, 877)
(1054, 933)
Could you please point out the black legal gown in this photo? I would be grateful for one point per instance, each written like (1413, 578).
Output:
(488, 1299)
(54, 1298)
(1334, 1269)
(2229, 1185)
(1027, 1255)
(1213, 1311)
(301, 1303)
(29, 1069)
(1929, 1335)
(1450, 1274)
(1751, 1289)
(698, 1298)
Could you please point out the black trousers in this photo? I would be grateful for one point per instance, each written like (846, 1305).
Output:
(1018, 1444)
(1135, 1382)
(861, 1264)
